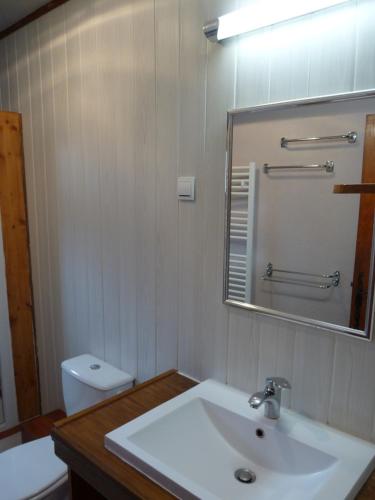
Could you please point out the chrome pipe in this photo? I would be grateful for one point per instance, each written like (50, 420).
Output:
(298, 282)
(210, 29)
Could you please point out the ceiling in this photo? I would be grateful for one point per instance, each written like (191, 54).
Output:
(12, 11)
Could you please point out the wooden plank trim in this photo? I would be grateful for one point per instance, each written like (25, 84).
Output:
(41, 11)
(17, 264)
(35, 427)
(139, 387)
(365, 188)
(10, 432)
(362, 263)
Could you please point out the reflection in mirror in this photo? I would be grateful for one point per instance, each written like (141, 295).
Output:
(294, 248)
(2, 417)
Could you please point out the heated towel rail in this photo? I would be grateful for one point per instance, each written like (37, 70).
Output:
(241, 232)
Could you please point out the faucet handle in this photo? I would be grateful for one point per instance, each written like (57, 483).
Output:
(278, 383)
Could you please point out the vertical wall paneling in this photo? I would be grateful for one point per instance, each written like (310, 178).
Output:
(48, 361)
(253, 85)
(312, 373)
(78, 341)
(91, 193)
(253, 66)
(332, 50)
(12, 70)
(364, 76)
(63, 179)
(352, 383)
(118, 98)
(243, 349)
(4, 86)
(126, 171)
(167, 148)
(39, 227)
(193, 56)
(221, 66)
(289, 66)
(107, 57)
(145, 181)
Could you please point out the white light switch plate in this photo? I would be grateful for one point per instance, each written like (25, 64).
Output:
(186, 188)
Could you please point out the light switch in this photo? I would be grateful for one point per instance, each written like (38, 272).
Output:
(186, 188)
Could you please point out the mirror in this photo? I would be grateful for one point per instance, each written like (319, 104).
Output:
(2, 416)
(295, 249)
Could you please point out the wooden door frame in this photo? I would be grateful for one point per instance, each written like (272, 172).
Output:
(361, 275)
(18, 265)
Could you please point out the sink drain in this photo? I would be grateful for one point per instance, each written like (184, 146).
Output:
(259, 433)
(245, 476)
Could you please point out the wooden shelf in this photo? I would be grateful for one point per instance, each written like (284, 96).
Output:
(368, 188)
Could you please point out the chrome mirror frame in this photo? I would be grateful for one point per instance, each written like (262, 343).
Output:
(365, 334)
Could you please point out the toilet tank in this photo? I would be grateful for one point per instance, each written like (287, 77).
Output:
(87, 380)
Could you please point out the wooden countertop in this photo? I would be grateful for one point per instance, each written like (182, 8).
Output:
(79, 441)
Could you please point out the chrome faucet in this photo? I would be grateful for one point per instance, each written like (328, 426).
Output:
(270, 397)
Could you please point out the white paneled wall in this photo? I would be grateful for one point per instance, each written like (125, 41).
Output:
(118, 98)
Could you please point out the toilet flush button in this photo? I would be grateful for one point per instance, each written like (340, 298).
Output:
(95, 366)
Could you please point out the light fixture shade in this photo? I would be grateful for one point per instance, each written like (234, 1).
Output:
(261, 14)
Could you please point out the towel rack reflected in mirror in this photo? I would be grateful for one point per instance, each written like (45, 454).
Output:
(350, 137)
(328, 166)
(330, 280)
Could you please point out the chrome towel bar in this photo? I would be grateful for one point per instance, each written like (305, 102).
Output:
(350, 137)
(333, 280)
(298, 282)
(328, 166)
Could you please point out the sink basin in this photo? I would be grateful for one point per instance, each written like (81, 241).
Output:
(193, 444)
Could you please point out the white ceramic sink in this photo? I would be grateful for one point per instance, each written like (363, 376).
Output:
(193, 444)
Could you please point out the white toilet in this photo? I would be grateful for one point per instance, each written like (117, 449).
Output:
(32, 471)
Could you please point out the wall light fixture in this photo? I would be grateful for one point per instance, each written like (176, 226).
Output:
(261, 14)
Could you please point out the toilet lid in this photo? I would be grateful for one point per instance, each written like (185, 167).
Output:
(28, 469)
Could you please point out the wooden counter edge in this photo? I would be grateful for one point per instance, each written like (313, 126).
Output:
(91, 473)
